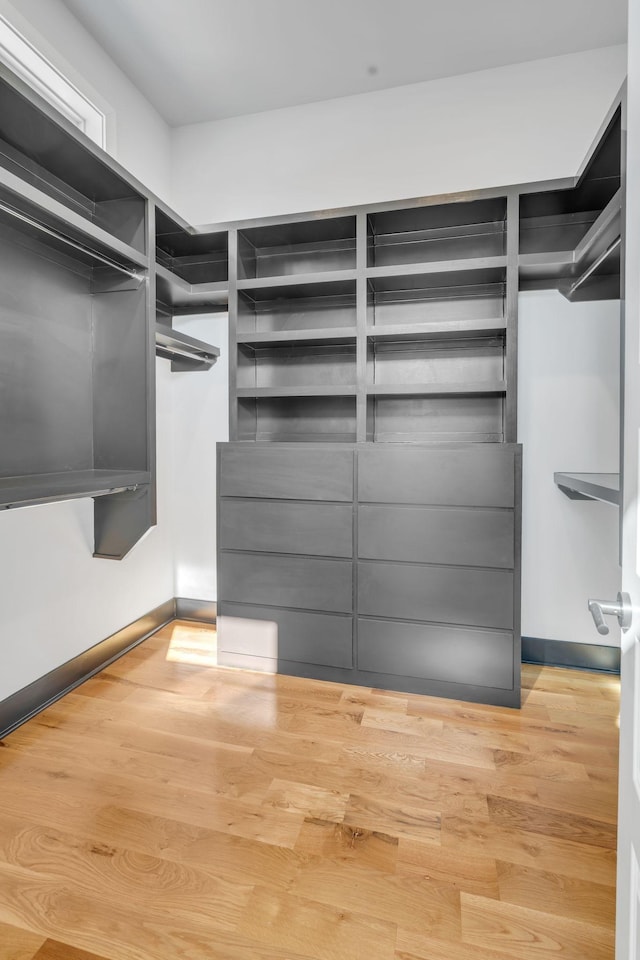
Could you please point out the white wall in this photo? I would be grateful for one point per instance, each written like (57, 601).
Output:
(136, 134)
(568, 420)
(514, 124)
(55, 599)
(200, 418)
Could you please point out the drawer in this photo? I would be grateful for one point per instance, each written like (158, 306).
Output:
(478, 475)
(450, 654)
(311, 584)
(318, 529)
(285, 635)
(442, 535)
(403, 591)
(286, 474)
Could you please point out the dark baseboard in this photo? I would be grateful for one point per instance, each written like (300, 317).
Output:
(29, 701)
(205, 611)
(578, 656)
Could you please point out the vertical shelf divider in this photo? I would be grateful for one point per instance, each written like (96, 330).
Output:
(511, 311)
(361, 327)
(233, 333)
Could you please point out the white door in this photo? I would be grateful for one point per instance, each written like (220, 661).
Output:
(628, 887)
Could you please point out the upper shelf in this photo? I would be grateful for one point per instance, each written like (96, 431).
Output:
(461, 231)
(43, 150)
(590, 486)
(38, 217)
(292, 250)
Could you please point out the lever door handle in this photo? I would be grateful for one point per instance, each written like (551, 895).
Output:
(620, 609)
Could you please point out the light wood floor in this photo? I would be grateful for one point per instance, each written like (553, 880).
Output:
(170, 809)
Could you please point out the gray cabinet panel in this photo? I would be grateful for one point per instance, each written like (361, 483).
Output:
(286, 474)
(285, 635)
(318, 529)
(286, 581)
(478, 475)
(479, 538)
(451, 654)
(481, 598)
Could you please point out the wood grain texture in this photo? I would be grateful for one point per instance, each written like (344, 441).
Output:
(170, 808)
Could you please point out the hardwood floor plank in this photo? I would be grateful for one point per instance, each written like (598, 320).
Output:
(531, 934)
(54, 950)
(555, 893)
(415, 902)
(18, 944)
(474, 874)
(339, 843)
(515, 845)
(316, 930)
(552, 823)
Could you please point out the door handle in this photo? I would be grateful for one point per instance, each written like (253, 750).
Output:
(620, 609)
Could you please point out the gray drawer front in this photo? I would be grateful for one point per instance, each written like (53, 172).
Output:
(481, 475)
(480, 598)
(286, 582)
(473, 538)
(286, 474)
(285, 635)
(450, 654)
(318, 529)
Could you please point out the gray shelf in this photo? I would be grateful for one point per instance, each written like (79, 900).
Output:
(60, 226)
(590, 486)
(436, 266)
(185, 352)
(297, 279)
(276, 338)
(444, 330)
(479, 388)
(297, 391)
(50, 487)
(177, 297)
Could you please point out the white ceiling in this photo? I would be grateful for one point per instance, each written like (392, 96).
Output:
(208, 59)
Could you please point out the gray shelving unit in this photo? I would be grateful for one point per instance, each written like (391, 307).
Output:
(369, 499)
(76, 368)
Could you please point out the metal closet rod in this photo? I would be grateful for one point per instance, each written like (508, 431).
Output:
(594, 266)
(133, 274)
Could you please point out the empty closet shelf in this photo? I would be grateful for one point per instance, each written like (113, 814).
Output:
(437, 266)
(300, 391)
(176, 296)
(73, 484)
(296, 279)
(37, 214)
(176, 346)
(439, 330)
(590, 486)
(276, 338)
(437, 389)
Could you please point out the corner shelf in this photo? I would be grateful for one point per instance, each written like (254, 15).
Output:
(590, 486)
(186, 353)
(177, 297)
